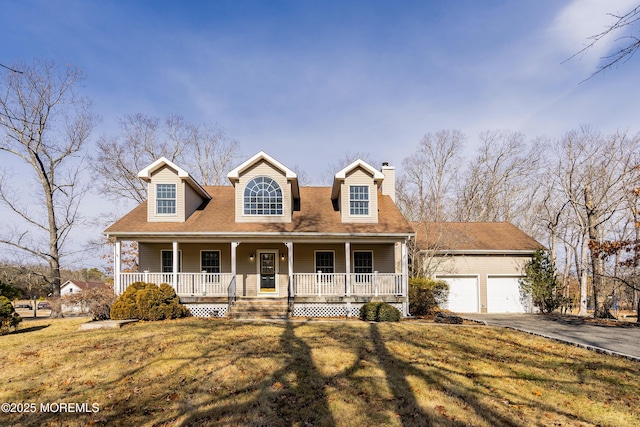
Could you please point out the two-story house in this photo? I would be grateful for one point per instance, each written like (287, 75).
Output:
(318, 251)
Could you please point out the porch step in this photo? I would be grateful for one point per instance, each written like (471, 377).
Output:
(259, 308)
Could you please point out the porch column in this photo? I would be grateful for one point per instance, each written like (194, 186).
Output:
(176, 258)
(117, 267)
(234, 246)
(405, 278)
(233, 290)
(289, 246)
(347, 263)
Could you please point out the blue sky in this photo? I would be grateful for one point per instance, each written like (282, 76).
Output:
(309, 81)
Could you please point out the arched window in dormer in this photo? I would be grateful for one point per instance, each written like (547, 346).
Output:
(262, 196)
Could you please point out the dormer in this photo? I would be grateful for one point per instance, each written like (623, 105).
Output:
(265, 190)
(173, 195)
(355, 192)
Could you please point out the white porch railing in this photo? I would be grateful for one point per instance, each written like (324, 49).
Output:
(304, 284)
(196, 284)
(369, 284)
(319, 284)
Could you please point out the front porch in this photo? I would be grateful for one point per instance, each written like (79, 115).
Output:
(313, 279)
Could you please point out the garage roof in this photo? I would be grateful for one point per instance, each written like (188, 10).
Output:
(473, 237)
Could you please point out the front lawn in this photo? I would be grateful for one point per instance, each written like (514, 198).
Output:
(212, 372)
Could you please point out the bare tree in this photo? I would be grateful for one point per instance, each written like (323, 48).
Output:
(593, 171)
(211, 155)
(349, 157)
(629, 43)
(425, 187)
(45, 125)
(206, 151)
(496, 186)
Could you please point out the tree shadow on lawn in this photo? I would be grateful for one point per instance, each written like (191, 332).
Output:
(29, 329)
(292, 395)
(520, 369)
(411, 413)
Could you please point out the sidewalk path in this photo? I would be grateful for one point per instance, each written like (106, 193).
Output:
(623, 340)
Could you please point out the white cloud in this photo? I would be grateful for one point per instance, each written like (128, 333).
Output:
(581, 19)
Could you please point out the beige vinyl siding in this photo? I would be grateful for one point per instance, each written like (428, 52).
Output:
(305, 258)
(359, 176)
(483, 266)
(247, 270)
(166, 175)
(383, 256)
(192, 201)
(149, 255)
(263, 168)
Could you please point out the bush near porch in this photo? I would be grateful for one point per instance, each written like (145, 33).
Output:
(379, 312)
(426, 295)
(147, 301)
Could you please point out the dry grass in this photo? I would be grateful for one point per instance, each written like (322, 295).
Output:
(200, 372)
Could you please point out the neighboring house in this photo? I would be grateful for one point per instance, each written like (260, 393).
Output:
(482, 262)
(74, 286)
(319, 251)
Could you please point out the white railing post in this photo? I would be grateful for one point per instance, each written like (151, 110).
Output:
(203, 282)
(375, 283)
(146, 276)
(319, 282)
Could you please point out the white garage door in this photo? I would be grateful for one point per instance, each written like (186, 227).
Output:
(503, 295)
(463, 294)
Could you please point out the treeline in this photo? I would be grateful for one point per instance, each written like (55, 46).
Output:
(29, 279)
(572, 194)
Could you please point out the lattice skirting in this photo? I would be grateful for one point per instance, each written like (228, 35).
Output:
(207, 310)
(331, 310)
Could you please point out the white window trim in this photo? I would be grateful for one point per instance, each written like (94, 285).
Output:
(315, 259)
(353, 259)
(269, 215)
(368, 201)
(175, 200)
(219, 259)
(179, 260)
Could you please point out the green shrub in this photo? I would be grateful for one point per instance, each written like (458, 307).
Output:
(146, 301)
(8, 316)
(426, 294)
(379, 312)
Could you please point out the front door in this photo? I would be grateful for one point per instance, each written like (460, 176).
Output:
(268, 271)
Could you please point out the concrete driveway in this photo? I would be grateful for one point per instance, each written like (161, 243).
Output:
(618, 340)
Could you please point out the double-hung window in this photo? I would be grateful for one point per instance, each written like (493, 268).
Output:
(325, 262)
(363, 265)
(167, 261)
(165, 199)
(359, 200)
(210, 261)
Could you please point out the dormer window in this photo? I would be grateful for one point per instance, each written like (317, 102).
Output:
(166, 199)
(359, 200)
(262, 196)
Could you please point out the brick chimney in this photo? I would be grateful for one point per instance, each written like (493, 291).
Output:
(389, 182)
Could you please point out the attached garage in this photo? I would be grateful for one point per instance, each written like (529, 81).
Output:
(481, 261)
(463, 294)
(504, 296)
